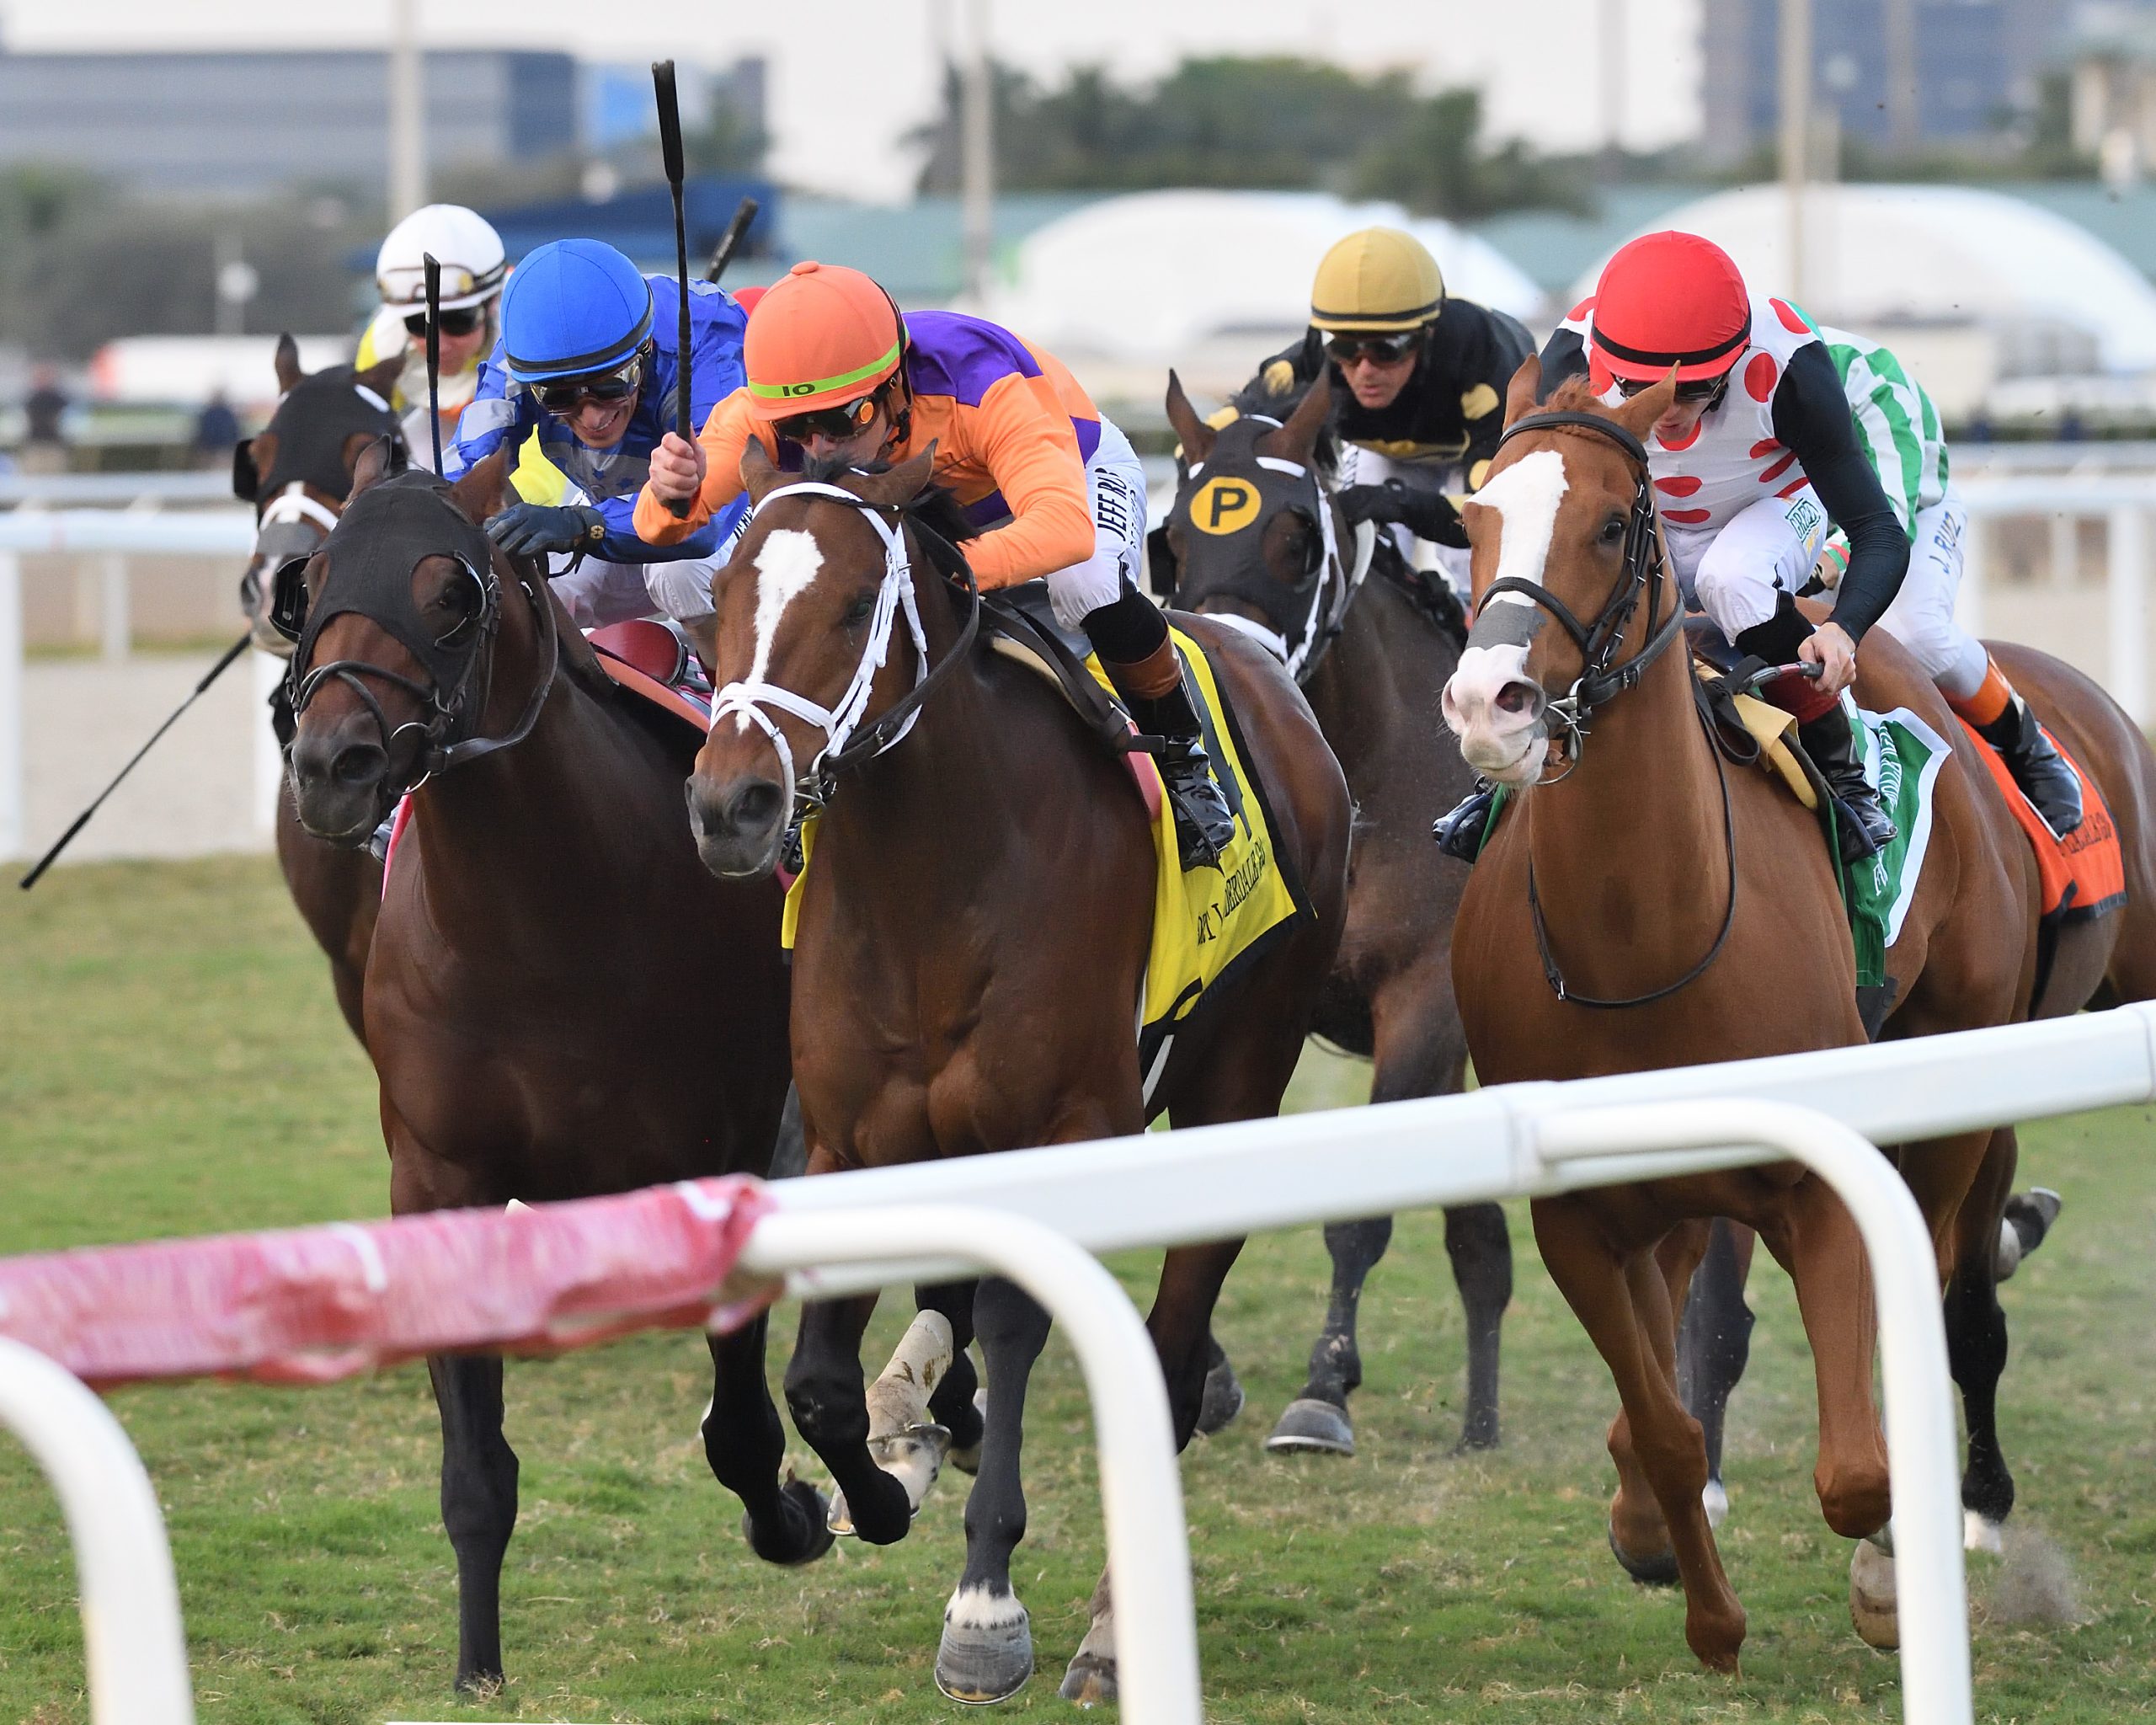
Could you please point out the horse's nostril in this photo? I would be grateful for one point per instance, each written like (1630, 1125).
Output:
(1516, 697)
(756, 805)
(361, 764)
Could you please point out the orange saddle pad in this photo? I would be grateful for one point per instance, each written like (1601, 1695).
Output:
(2083, 875)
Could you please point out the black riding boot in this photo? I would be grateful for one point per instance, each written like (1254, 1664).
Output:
(2045, 778)
(1830, 740)
(1203, 824)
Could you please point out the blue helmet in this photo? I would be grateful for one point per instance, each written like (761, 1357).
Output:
(572, 307)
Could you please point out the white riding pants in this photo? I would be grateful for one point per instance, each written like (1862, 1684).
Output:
(1735, 573)
(1115, 481)
(1365, 467)
(598, 592)
(1921, 616)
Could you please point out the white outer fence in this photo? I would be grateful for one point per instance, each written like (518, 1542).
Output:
(1014, 1214)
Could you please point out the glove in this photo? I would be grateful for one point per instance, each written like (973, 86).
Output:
(526, 529)
(1428, 514)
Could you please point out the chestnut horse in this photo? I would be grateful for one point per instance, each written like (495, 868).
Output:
(298, 472)
(973, 928)
(1653, 903)
(1371, 656)
(559, 999)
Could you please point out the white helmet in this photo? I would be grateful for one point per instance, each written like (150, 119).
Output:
(462, 242)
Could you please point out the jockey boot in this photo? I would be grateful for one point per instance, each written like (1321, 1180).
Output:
(1460, 833)
(1131, 637)
(1998, 713)
(1862, 825)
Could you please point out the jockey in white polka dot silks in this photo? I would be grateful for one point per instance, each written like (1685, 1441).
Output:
(1780, 431)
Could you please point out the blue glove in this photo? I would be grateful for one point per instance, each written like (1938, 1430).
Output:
(526, 529)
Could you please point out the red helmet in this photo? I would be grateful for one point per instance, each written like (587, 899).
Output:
(1671, 299)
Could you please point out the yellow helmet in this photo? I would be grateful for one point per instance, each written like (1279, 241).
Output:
(1376, 281)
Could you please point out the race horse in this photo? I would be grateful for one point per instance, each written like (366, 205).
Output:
(559, 999)
(1651, 903)
(974, 927)
(298, 472)
(1258, 540)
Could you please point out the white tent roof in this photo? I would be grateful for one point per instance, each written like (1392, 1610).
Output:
(1150, 275)
(1888, 254)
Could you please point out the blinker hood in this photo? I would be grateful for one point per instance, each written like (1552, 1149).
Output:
(1237, 495)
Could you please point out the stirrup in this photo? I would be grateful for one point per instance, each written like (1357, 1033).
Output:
(1853, 834)
(1460, 833)
(1205, 824)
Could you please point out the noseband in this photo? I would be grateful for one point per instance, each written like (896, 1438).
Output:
(1645, 571)
(848, 741)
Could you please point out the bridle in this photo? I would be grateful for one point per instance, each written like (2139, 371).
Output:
(1336, 578)
(1645, 571)
(849, 741)
(287, 533)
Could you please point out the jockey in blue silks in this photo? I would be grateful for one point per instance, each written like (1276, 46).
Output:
(579, 390)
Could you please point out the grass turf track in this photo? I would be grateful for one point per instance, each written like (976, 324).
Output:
(171, 1062)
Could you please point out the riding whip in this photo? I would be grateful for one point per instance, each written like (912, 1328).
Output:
(669, 149)
(82, 820)
(745, 212)
(433, 269)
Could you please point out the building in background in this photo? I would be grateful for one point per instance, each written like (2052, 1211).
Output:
(2111, 55)
(614, 98)
(1899, 75)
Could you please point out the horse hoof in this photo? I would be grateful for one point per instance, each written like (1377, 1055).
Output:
(807, 1529)
(1091, 1679)
(1313, 1425)
(1659, 1570)
(1714, 1499)
(987, 1652)
(1871, 1597)
(1476, 1435)
(1980, 1533)
(1224, 1400)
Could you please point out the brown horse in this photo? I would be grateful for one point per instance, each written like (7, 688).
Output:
(973, 936)
(1371, 656)
(1652, 905)
(559, 999)
(298, 472)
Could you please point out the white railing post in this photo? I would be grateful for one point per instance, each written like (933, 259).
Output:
(1924, 1468)
(14, 822)
(2127, 612)
(131, 1635)
(115, 627)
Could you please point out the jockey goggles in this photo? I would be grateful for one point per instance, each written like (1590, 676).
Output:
(1707, 389)
(460, 320)
(837, 423)
(565, 396)
(1380, 350)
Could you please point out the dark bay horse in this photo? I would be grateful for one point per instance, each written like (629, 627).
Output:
(1371, 657)
(298, 472)
(1654, 905)
(559, 999)
(973, 928)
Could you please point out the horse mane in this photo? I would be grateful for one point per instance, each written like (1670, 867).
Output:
(1575, 395)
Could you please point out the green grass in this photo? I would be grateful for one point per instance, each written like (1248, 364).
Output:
(171, 1062)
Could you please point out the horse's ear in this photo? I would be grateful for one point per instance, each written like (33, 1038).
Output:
(376, 462)
(479, 492)
(381, 376)
(1638, 415)
(895, 487)
(1524, 392)
(1196, 437)
(288, 364)
(1297, 440)
(759, 473)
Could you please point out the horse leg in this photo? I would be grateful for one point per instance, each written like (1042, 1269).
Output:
(745, 1445)
(987, 1649)
(1623, 1306)
(1317, 1419)
(953, 1406)
(1714, 1342)
(829, 1400)
(1479, 1245)
(1976, 1344)
(478, 1505)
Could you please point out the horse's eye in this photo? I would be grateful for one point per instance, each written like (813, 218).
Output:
(1613, 530)
(860, 610)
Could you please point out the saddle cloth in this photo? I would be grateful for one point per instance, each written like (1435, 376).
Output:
(1206, 924)
(2083, 874)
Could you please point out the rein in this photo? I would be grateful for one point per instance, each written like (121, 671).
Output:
(1647, 571)
(848, 741)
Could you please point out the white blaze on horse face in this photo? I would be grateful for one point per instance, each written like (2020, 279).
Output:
(1525, 497)
(787, 562)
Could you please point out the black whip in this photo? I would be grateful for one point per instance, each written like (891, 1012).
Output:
(745, 212)
(433, 351)
(669, 149)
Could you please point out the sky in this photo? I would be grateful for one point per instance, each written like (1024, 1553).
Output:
(849, 82)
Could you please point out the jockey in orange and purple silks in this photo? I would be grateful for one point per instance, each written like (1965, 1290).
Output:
(834, 370)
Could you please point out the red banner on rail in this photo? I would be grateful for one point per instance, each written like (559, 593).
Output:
(308, 1306)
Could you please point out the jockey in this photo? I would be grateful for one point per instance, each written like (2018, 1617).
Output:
(472, 269)
(1420, 378)
(586, 368)
(834, 370)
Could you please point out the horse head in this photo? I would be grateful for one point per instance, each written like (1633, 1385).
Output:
(390, 675)
(1254, 532)
(298, 472)
(1563, 529)
(819, 633)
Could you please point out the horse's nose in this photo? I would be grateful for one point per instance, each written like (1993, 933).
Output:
(343, 765)
(737, 825)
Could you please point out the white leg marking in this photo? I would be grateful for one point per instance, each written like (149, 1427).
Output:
(786, 562)
(977, 1608)
(1716, 1499)
(1979, 1533)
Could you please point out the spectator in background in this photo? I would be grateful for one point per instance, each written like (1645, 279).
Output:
(45, 438)
(216, 430)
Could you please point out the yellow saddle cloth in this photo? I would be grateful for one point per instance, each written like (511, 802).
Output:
(1206, 922)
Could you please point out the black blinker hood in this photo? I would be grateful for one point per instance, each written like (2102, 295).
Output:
(312, 423)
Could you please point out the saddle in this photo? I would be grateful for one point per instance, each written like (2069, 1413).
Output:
(649, 660)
